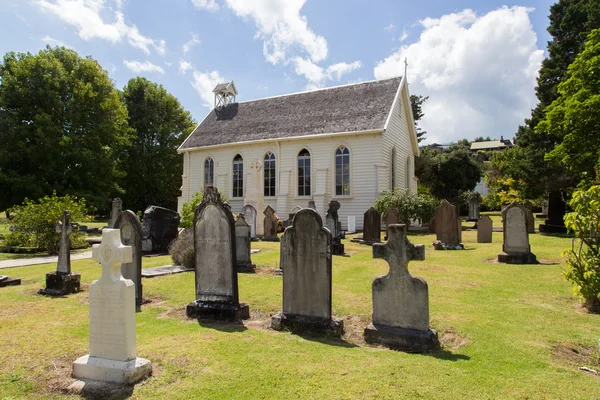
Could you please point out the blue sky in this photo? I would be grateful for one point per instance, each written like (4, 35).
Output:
(477, 60)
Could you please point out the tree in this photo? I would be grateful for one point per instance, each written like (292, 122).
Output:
(62, 125)
(416, 103)
(573, 119)
(152, 165)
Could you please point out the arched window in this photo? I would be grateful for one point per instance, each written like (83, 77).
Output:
(393, 167)
(304, 173)
(209, 172)
(238, 176)
(269, 174)
(342, 171)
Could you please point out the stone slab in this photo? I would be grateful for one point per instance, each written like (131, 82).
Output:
(10, 282)
(164, 270)
(306, 324)
(58, 284)
(523, 258)
(101, 369)
(408, 340)
(217, 311)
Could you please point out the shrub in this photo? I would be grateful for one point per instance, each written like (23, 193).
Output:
(182, 249)
(410, 206)
(583, 263)
(188, 209)
(34, 222)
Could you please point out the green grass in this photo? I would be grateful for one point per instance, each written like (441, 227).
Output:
(502, 327)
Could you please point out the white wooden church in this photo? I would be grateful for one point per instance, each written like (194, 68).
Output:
(347, 143)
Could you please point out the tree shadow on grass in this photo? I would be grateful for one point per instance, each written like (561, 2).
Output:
(222, 326)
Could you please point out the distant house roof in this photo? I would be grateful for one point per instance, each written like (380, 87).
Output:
(350, 108)
(488, 145)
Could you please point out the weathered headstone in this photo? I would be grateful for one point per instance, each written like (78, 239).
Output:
(401, 301)
(305, 258)
(484, 229)
(332, 223)
(516, 249)
(62, 281)
(312, 205)
(6, 281)
(249, 213)
(447, 227)
(117, 207)
(474, 204)
(294, 211)
(556, 212)
(351, 223)
(215, 257)
(112, 354)
(391, 218)
(160, 229)
(530, 217)
(131, 235)
(242, 246)
(270, 223)
(371, 227)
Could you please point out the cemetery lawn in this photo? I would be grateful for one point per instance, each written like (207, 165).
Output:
(508, 331)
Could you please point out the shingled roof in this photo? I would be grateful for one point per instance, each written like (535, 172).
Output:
(350, 108)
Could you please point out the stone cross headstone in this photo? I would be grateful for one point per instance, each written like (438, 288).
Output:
(516, 249)
(392, 218)
(215, 260)
(351, 223)
(62, 281)
(401, 301)
(484, 229)
(270, 224)
(117, 207)
(112, 354)
(242, 246)
(305, 258)
(447, 227)
(131, 235)
(332, 223)
(474, 204)
(372, 226)
(249, 213)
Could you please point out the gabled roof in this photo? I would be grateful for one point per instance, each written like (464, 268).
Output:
(490, 144)
(350, 108)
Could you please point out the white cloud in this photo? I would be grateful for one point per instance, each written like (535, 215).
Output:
(317, 75)
(146, 66)
(189, 44)
(210, 5)
(87, 17)
(55, 42)
(478, 71)
(184, 66)
(389, 28)
(336, 71)
(404, 35)
(282, 29)
(204, 83)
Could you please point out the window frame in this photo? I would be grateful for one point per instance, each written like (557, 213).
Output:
(237, 176)
(304, 175)
(272, 177)
(207, 159)
(348, 155)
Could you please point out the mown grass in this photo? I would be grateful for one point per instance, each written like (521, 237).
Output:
(508, 331)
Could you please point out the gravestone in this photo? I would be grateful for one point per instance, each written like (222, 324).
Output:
(474, 204)
(242, 246)
(556, 212)
(131, 235)
(270, 223)
(160, 229)
(371, 226)
(255, 195)
(516, 249)
(62, 281)
(6, 281)
(332, 223)
(312, 205)
(215, 258)
(112, 356)
(401, 301)
(484, 229)
(305, 258)
(249, 213)
(390, 219)
(117, 207)
(294, 211)
(530, 217)
(351, 224)
(447, 227)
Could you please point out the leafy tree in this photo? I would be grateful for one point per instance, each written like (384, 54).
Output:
(410, 206)
(574, 117)
(416, 103)
(62, 125)
(159, 124)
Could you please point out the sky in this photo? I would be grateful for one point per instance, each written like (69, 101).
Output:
(477, 60)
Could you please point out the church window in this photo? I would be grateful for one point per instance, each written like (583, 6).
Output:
(209, 172)
(342, 171)
(269, 174)
(238, 176)
(304, 173)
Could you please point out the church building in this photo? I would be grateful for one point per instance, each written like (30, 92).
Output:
(348, 143)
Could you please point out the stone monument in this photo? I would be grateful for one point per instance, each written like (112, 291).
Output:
(160, 229)
(447, 227)
(392, 218)
(7, 281)
(484, 229)
(249, 213)
(242, 246)
(270, 224)
(516, 249)
(112, 356)
(117, 207)
(332, 223)
(401, 301)
(62, 281)
(305, 258)
(131, 235)
(556, 212)
(371, 227)
(215, 258)
(351, 224)
(474, 204)
(294, 211)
